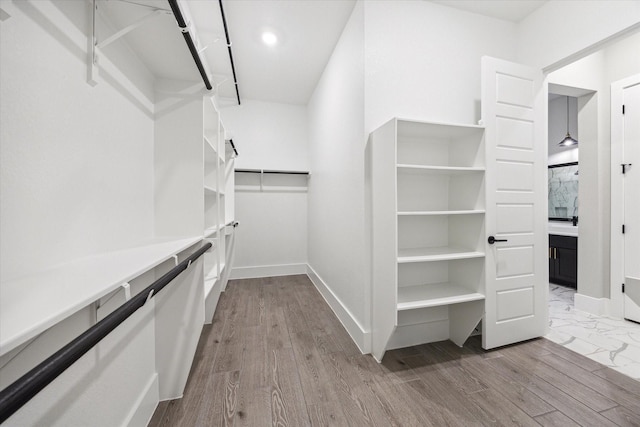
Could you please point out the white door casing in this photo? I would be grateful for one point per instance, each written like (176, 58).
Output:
(631, 180)
(514, 111)
(625, 198)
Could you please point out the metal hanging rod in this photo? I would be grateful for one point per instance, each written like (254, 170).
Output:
(26, 387)
(189, 40)
(233, 67)
(272, 171)
(233, 146)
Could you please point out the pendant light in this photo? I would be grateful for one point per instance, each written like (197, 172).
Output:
(568, 141)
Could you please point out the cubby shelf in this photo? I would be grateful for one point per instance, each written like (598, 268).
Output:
(209, 283)
(210, 191)
(428, 213)
(433, 295)
(209, 148)
(435, 254)
(433, 170)
(212, 231)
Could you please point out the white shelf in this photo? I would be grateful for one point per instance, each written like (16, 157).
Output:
(210, 151)
(208, 285)
(423, 129)
(211, 231)
(210, 191)
(427, 213)
(32, 304)
(438, 170)
(433, 295)
(211, 272)
(435, 254)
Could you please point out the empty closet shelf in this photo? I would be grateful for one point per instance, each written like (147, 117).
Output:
(433, 295)
(208, 285)
(213, 230)
(210, 191)
(436, 254)
(32, 304)
(437, 170)
(455, 212)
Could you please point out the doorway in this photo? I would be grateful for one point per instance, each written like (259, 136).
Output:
(573, 203)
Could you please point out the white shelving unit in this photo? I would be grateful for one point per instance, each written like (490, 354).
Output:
(161, 219)
(219, 213)
(427, 198)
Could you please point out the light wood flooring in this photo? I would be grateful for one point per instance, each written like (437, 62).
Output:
(276, 355)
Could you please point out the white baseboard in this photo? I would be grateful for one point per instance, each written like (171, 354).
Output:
(359, 336)
(267, 271)
(597, 306)
(146, 404)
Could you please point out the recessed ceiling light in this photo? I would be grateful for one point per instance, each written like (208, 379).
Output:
(269, 38)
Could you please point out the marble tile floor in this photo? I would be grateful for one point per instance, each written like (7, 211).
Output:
(611, 342)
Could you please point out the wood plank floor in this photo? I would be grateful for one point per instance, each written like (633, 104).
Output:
(276, 355)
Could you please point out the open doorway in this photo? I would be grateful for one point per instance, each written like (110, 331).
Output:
(572, 127)
(588, 319)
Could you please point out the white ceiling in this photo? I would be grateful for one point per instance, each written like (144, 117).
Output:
(308, 31)
(508, 10)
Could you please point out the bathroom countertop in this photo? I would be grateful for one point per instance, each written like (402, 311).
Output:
(563, 228)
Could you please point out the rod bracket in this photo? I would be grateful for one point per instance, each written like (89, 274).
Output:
(127, 291)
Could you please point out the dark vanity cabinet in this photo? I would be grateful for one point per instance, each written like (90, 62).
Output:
(563, 260)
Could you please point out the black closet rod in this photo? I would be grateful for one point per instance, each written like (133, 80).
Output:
(233, 67)
(24, 388)
(187, 38)
(271, 171)
(233, 146)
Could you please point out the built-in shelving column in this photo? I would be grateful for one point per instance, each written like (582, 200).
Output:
(432, 177)
(218, 204)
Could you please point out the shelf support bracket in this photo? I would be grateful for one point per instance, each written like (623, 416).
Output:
(261, 179)
(132, 27)
(93, 71)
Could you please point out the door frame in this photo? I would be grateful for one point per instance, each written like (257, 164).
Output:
(617, 195)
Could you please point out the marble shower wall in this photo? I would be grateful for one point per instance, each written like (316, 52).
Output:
(563, 191)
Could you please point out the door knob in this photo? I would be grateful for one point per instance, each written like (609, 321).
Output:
(492, 240)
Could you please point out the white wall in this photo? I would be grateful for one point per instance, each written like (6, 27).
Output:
(269, 135)
(273, 224)
(76, 161)
(423, 61)
(558, 129)
(561, 31)
(336, 191)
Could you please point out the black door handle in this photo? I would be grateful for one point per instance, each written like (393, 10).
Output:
(492, 240)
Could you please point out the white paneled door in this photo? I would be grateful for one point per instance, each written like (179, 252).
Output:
(631, 180)
(514, 115)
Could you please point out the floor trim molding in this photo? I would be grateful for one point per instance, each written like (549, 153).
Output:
(597, 306)
(267, 271)
(359, 336)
